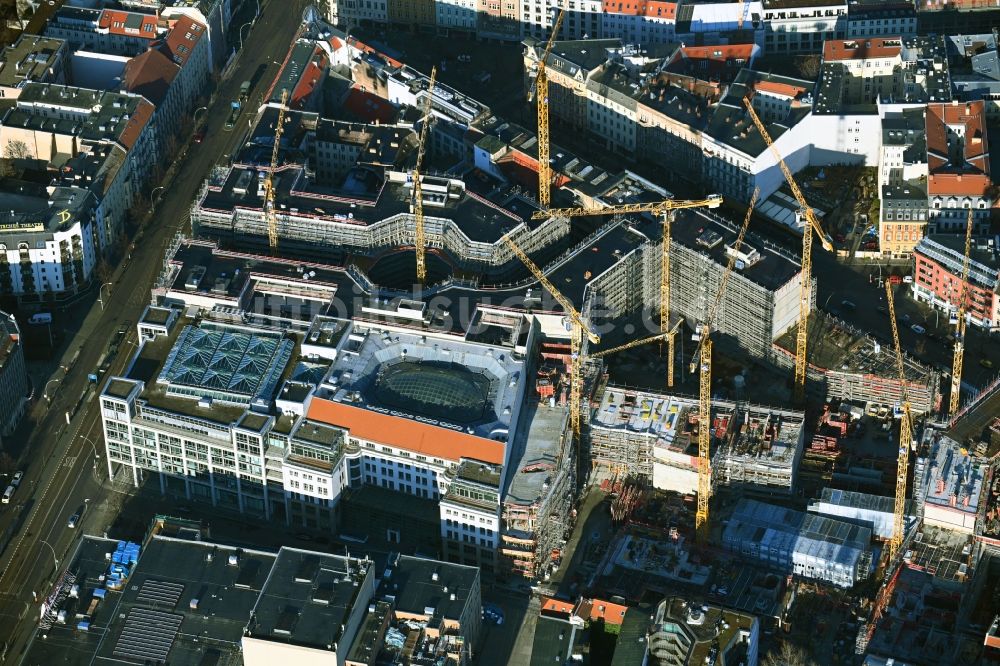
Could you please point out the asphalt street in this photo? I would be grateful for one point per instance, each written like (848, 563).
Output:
(62, 476)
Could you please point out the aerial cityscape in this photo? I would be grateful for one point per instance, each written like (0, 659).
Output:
(501, 333)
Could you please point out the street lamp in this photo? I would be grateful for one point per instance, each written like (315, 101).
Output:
(152, 195)
(45, 391)
(240, 33)
(194, 118)
(54, 558)
(101, 300)
(97, 458)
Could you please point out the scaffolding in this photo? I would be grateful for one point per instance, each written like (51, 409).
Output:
(856, 367)
(763, 453)
(761, 298)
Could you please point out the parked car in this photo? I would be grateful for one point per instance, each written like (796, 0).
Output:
(905, 319)
(73, 521)
(986, 363)
(918, 329)
(199, 137)
(848, 305)
(16, 481)
(908, 279)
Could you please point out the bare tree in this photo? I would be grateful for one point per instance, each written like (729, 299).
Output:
(809, 66)
(17, 150)
(788, 655)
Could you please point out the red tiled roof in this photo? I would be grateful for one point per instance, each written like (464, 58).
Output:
(405, 433)
(114, 21)
(181, 39)
(361, 46)
(957, 184)
(140, 117)
(604, 610)
(310, 77)
(368, 107)
(970, 116)
(776, 88)
(835, 50)
(149, 74)
(551, 605)
(648, 8)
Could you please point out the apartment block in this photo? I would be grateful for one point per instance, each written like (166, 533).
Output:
(641, 22)
(902, 182)
(252, 606)
(938, 282)
(802, 26)
(15, 386)
(32, 59)
(958, 166)
(881, 18)
(114, 132)
(975, 70)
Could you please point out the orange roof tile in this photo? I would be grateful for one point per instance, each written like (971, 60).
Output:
(607, 611)
(405, 433)
(968, 114)
(369, 107)
(310, 77)
(835, 50)
(957, 184)
(722, 52)
(114, 21)
(138, 120)
(552, 605)
(776, 88)
(182, 38)
(647, 8)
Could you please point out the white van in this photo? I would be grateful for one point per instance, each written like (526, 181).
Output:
(41, 318)
(7, 494)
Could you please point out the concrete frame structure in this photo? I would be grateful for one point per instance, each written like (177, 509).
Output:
(654, 437)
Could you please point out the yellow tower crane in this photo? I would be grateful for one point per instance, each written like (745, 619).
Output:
(578, 328)
(638, 343)
(805, 288)
(956, 367)
(702, 362)
(270, 210)
(663, 208)
(541, 92)
(905, 437)
(418, 199)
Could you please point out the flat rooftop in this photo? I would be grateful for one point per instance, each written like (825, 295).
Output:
(847, 350)
(30, 213)
(192, 611)
(710, 234)
(177, 372)
(419, 585)
(365, 199)
(730, 123)
(454, 384)
(536, 452)
(28, 59)
(956, 477)
(711, 629)
(307, 598)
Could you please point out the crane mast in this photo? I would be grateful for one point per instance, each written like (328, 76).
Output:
(905, 436)
(270, 211)
(805, 288)
(956, 367)
(665, 209)
(703, 362)
(578, 328)
(418, 199)
(542, 94)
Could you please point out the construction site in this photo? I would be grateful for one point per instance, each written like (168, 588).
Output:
(847, 364)
(654, 438)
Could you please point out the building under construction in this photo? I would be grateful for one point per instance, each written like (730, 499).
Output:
(761, 301)
(655, 438)
(536, 512)
(948, 483)
(845, 364)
